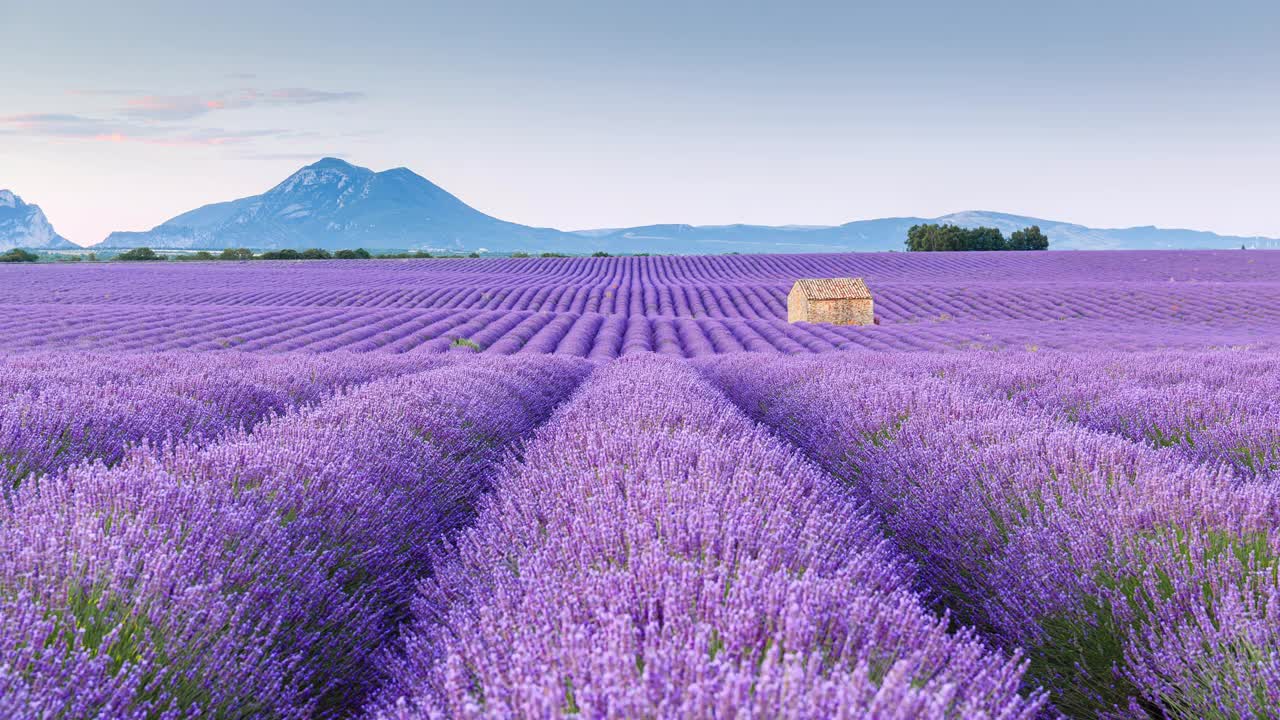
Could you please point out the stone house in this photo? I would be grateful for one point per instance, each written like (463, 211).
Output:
(838, 301)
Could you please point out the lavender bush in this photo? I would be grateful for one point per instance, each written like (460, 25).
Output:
(60, 409)
(257, 575)
(1138, 583)
(657, 554)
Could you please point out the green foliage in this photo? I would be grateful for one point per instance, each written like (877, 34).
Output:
(285, 254)
(938, 238)
(473, 255)
(520, 254)
(552, 254)
(236, 254)
(464, 342)
(357, 254)
(18, 255)
(141, 254)
(599, 253)
(1028, 239)
(315, 254)
(570, 701)
(197, 257)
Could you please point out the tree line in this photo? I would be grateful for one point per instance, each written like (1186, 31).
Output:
(146, 254)
(18, 255)
(935, 238)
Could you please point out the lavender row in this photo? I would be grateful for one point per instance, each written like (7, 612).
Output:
(498, 332)
(1140, 586)
(914, 300)
(1215, 409)
(59, 409)
(150, 284)
(656, 554)
(262, 574)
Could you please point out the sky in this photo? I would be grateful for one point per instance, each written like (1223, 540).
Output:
(118, 116)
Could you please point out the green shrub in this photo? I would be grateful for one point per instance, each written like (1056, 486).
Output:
(140, 254)
(18, 255)
(236, 254)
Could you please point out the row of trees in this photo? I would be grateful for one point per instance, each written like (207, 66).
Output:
(934, 238)
(146, 254)
(18, 255)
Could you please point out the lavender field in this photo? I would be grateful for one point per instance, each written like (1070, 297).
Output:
(683, 306)
(1046, 485)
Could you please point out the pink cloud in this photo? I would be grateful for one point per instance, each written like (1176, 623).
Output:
(168, 119)
(78, 127)
(184, 107)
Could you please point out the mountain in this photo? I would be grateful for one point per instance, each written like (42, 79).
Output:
(25, 226)
(891, 233)
(333, 204)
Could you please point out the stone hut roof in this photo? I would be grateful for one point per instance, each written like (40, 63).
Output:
(833, 289)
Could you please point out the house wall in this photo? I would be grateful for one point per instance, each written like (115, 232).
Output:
(840, 312)
(797, 307)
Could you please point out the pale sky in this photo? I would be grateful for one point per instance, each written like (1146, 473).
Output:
(117, 116)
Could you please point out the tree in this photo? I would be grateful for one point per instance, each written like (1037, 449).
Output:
(950, 238)
(599, 253)
(1028, 239)
(983, 238)
(315, 254)
(519, 254)
(18, 255)
(139, 254)
(935, 238)
(357, 254)
(236, 254)
(473, 255)
(285, 254)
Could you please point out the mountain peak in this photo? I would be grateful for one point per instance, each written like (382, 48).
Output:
(333, 162)
(23, 225)
(325, 173)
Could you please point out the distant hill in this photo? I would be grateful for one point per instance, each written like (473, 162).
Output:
(333, 204)
(890, 234)
(24, 225)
